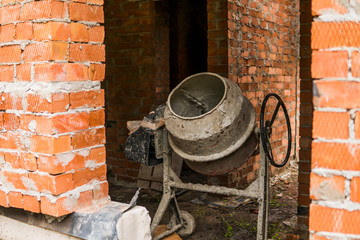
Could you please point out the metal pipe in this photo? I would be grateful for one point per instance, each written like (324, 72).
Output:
(214, 189)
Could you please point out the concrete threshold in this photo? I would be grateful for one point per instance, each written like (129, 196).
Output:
(111, 221)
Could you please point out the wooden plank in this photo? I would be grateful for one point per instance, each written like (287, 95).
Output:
(145, 171)
(152, 177)
(157, 174)
(143, 184)
(163, 228)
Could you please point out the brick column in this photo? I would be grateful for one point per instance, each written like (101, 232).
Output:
(52, 154)
(306, 113)
(335, 176)
(262, 58)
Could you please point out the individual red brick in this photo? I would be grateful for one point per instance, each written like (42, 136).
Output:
(23, 72)
(49, 183)
(87, 175)
(97, 118)
(101, 191)
(15, 199)
(56, 31)
(337, 94)
(327, 188)
(303, 200)
(6, 2)
(84, 12)
(59, 102)
(355, 189)
(50, 145)
(11, 121)
(28, 161)
(38, 124)
(61, 163)
(7, 33)
(87, 52)
(3, 199)
(327, 64)
(31, 203)
(77, 72)
(18, 180)
(71, 122)
(43, 9)
(355, 64)
(88, 138)
(334, 34)
(357, 125)
(97, 72)
(97, 2)
(10, 14)
(85, 200)
(24, 31)
(97, 34)
(13, 159)
(28, 122)
(62, 206)
(10, 54)
(79, 32)
(7, 73)
(10, 140)
(331, 125)
(319, 7)
(97, 154)
(46, 51)
(94, 98)
(8, 101)
(1, 121)
(50, 72)
(327, 155)
(337, 220)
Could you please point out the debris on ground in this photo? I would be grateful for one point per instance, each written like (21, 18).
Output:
(218, 217)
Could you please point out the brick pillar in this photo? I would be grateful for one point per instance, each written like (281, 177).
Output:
(52, 156)
(137, 73)
(262, 58)
(335, 176)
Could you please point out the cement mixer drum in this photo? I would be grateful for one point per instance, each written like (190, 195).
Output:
(210, 123)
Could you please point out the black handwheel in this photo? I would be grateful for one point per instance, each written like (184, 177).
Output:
(266, 130)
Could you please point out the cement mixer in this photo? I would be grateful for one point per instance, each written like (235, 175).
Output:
(210, 124)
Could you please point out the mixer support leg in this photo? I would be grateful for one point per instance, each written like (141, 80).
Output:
(165, 200)
(263, 215)
(168, 197)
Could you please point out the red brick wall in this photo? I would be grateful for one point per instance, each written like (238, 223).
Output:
(251, 43)
(306, 112)
(335, 168)
(262, 58)
(217, 59)
(52, 134)
(137, 73)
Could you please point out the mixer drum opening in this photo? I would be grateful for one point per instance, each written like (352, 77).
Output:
(209, 120)
(197, 96)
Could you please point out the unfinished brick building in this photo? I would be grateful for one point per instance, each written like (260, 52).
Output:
(153, 45)
(52, 92)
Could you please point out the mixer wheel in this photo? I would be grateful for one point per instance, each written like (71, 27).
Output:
(266, 130)
(188, 223)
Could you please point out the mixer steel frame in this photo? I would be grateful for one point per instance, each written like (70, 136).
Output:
(259, 190)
